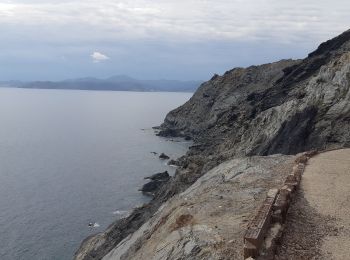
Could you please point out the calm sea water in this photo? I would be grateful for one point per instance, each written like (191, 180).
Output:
(68, 158)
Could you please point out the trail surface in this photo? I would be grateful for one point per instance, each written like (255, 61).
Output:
(318, 225)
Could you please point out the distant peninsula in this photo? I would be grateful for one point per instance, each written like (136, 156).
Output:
(115, 83)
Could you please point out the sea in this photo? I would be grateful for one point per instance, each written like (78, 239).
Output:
(72, 158)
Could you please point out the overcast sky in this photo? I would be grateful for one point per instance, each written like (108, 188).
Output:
(150, 39)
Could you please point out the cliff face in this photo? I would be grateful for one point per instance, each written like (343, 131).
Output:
(284, 107)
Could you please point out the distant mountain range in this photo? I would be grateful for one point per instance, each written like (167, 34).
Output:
(117, 83)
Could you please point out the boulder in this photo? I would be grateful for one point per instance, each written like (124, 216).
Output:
(151, 187)
(161, 176)
(157, 180)
(174, 163)
(163, 156)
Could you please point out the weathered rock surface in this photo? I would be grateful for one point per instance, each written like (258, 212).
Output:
(161, 176)
(157, 180)
(208, 220)
(284, 107)
(150, 187)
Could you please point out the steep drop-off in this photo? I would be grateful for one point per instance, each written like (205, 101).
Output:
(284, 107)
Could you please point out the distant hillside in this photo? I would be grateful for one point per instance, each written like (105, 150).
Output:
(117, 83)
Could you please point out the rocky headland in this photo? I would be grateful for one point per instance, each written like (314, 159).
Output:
(247, 127)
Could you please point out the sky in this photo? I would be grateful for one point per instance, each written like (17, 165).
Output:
(158, 39)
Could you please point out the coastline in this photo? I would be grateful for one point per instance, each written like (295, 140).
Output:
(98, 245)
(273, 111)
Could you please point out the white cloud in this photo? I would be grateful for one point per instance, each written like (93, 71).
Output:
(98, 57)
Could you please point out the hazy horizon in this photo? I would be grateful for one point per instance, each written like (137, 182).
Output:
(87, 77)
(183, 40)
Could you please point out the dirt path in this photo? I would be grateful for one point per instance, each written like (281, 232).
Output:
(318, 223)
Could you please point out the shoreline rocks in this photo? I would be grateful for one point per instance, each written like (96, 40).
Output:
(157, 180)
(173, 163)
(161, 176)
(163, 156)
(284, 107)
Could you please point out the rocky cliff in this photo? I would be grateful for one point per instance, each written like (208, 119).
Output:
(284, 107)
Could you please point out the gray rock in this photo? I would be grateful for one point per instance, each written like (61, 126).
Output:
(284, 107)
(161, 176)
(197, 223)
(157, 180)
(151, 187)
(163, 156)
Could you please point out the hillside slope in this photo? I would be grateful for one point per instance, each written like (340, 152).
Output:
(284, 107)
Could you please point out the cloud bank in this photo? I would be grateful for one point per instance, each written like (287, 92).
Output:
(282, 20)
(161, 38)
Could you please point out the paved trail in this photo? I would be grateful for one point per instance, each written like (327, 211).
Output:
(318, 225)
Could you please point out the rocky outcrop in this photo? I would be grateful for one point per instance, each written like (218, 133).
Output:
(284, 107)
(161, 176)
(163, 156)
(157, 180)
(208, 220)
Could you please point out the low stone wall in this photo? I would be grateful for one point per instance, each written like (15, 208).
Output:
(266, 227)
